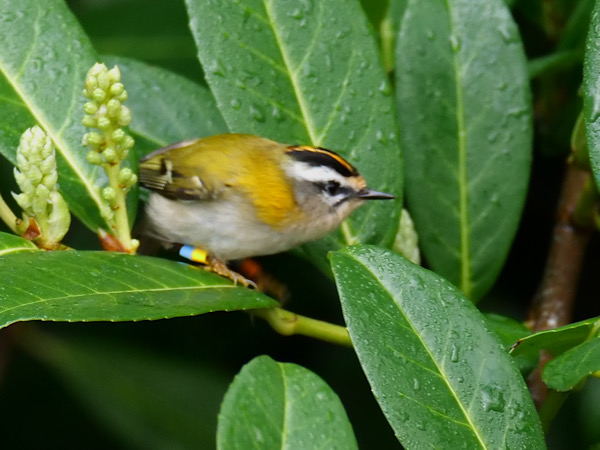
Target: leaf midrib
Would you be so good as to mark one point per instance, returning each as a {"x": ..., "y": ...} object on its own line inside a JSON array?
[
  {"x": 115, "y": 292},
  {"x": 302, "y": 103},
  {"x": 43, "y": 122},
  {"x": 465, "y": 412},
  {"x": 466, "y": 284}
]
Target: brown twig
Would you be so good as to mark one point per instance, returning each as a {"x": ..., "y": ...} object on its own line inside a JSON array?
[{"x": 553, "y": 302}]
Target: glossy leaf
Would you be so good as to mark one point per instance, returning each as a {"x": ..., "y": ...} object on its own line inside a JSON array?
[
  {"x": 166, "y": 108},
  {"x": 557, "y": 340},
  {"x": 307, "y": 73},
  {"x": 510, "y": 331},
  {"x": 281, "y": 405},
  {"x": 441, "y": 377},
  {"x": 91, "y": 286},
  {"x": 591, "y": 92},
  {"x": 44, "y": 58},
  {"x": 9, "y": 244},
  {"x": 567, "y": 370},
  {"x": 148, "y": 400},
  {"x": 466, "y": 127}
]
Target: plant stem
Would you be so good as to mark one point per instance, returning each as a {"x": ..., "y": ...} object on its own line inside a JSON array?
[
  {"x": 121, "y": 221},
  {"x": 7, "y": 216},
  {"x": 288, "y": 323},
  {"x": 553, "y": 303}
]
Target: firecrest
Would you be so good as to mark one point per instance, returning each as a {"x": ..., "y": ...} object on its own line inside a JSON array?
[{"x": 234, "y": 196}]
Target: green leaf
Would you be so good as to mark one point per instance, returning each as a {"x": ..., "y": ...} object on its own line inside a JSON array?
[
  {"x": 148, "y": 400},
  {"x": 465, "y": 115},
  {"x": 166, "y": 107},
  {"x": 557, "y": 340},
  {"x": 282, "y": 405},
  {"x": 591, "y": 92},
  {"x": 9, "y": 243},
  {"x": 91, "y": 286},
  {"x": 564, "y": 372},
  {"x": 307, "y": 73},
  {"x": 44, "y": 58},
  {"x": 510, "y": 331},
  {"x": 441, "y": 377}
]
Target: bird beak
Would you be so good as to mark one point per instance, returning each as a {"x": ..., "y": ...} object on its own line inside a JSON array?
[{"x": 369, "y": 194}]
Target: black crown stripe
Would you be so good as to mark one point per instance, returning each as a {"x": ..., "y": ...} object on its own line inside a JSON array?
[{"x": 316, "y": 156}]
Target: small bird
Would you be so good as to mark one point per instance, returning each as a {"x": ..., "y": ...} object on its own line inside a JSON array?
[{"x": 234, "y": 196}]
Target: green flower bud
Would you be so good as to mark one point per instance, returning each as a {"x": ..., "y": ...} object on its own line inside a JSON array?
[
  {"x": 93, "y": 138},
  {"x": 89, "y": 121},
  {"x": 118, "y": 135},
  {"x": 99, "y": 95},
  {"x": 90, "y": 108},
  {"x": 128, "y": 142},
  {"x": 110, "y": 155},
  {"x": 59, "y": 219},
  {"x": 107, "y": 213},
  {"x": 127, "y": 178},
  {"x": 103, "y": 80},
  {"x": 114, "y": 74},
  {"x": 117, "y": 89},
  {"x": 122, "y": 96},
  {"x": 125, "y": 116},
  {"x": 109, "y": 194},
  {"x": 407, "y": 240},
  {"x": 23, "y": 199},
  {"x": 50, "y": 180},
  {"x": 113, "y": 108},
  {"x": 103, "y": 123},
  {"x": 95, "y": 158},
  {"x": 37, "y": 178},
  {"x": 40, "y": 202}
]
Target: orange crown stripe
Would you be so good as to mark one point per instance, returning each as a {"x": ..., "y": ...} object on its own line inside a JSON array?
[{"x": 324, "y": 151}]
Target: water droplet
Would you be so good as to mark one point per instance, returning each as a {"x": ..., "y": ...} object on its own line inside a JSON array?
[
  {"x": 276, "y": 113},
  {"x": 297, "y": 14},
  {"x": 256, "y": 113},
  {"x": 492, "y": 398},
  {"x": 430, "y": 35},
  {"x": 505, "y": 34},
  {"x": 384, "y": 88},
  {"x": 420, "y": 425},
  {"x": 454, "y": 353},
  {"x": 380, "y": 136},
  {"x": 416, "y": 384},
  {"x": 455, "y": 43},
  {"x": 235, "y": 103}
]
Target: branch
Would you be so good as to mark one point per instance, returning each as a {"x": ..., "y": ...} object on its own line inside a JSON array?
[
  {"x": 553, "y": 302},
  {"x": 288, "y": 323}
]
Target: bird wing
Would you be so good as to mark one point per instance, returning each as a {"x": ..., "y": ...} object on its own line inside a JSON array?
[{"x": 168, "y": 172}]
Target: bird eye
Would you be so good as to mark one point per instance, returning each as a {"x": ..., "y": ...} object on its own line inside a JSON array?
[{"x": 332, "y": 187}]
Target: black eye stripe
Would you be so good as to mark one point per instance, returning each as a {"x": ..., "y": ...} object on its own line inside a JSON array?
[{"x": 334, "y": 188}]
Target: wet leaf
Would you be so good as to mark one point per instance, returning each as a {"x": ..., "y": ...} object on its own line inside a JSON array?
[
  {"x": 591, "y": 92},
  {"x": 166, "y": 108},
  {"x": 307, "y": 73},
  {"x": 466, "y": 127},
  {"x": 44, "y": 59},
  {"x": 567, "y": 370},
  {"x": 442, "y": 379},
  {"x": 282, "y": 405},
  {"x": 555, "y": 341},
  {"x": 9, "y": 243},
  {"x": 103, "y": 286}
]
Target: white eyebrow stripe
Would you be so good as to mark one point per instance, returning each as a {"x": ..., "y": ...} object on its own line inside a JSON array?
[{"x": 316, "y": 174}]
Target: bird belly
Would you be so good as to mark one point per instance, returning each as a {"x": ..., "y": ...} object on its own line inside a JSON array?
[{"x": 226, "y": 229}]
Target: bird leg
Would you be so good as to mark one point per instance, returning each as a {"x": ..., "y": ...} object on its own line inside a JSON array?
[{"x": 215, "y": 265}]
